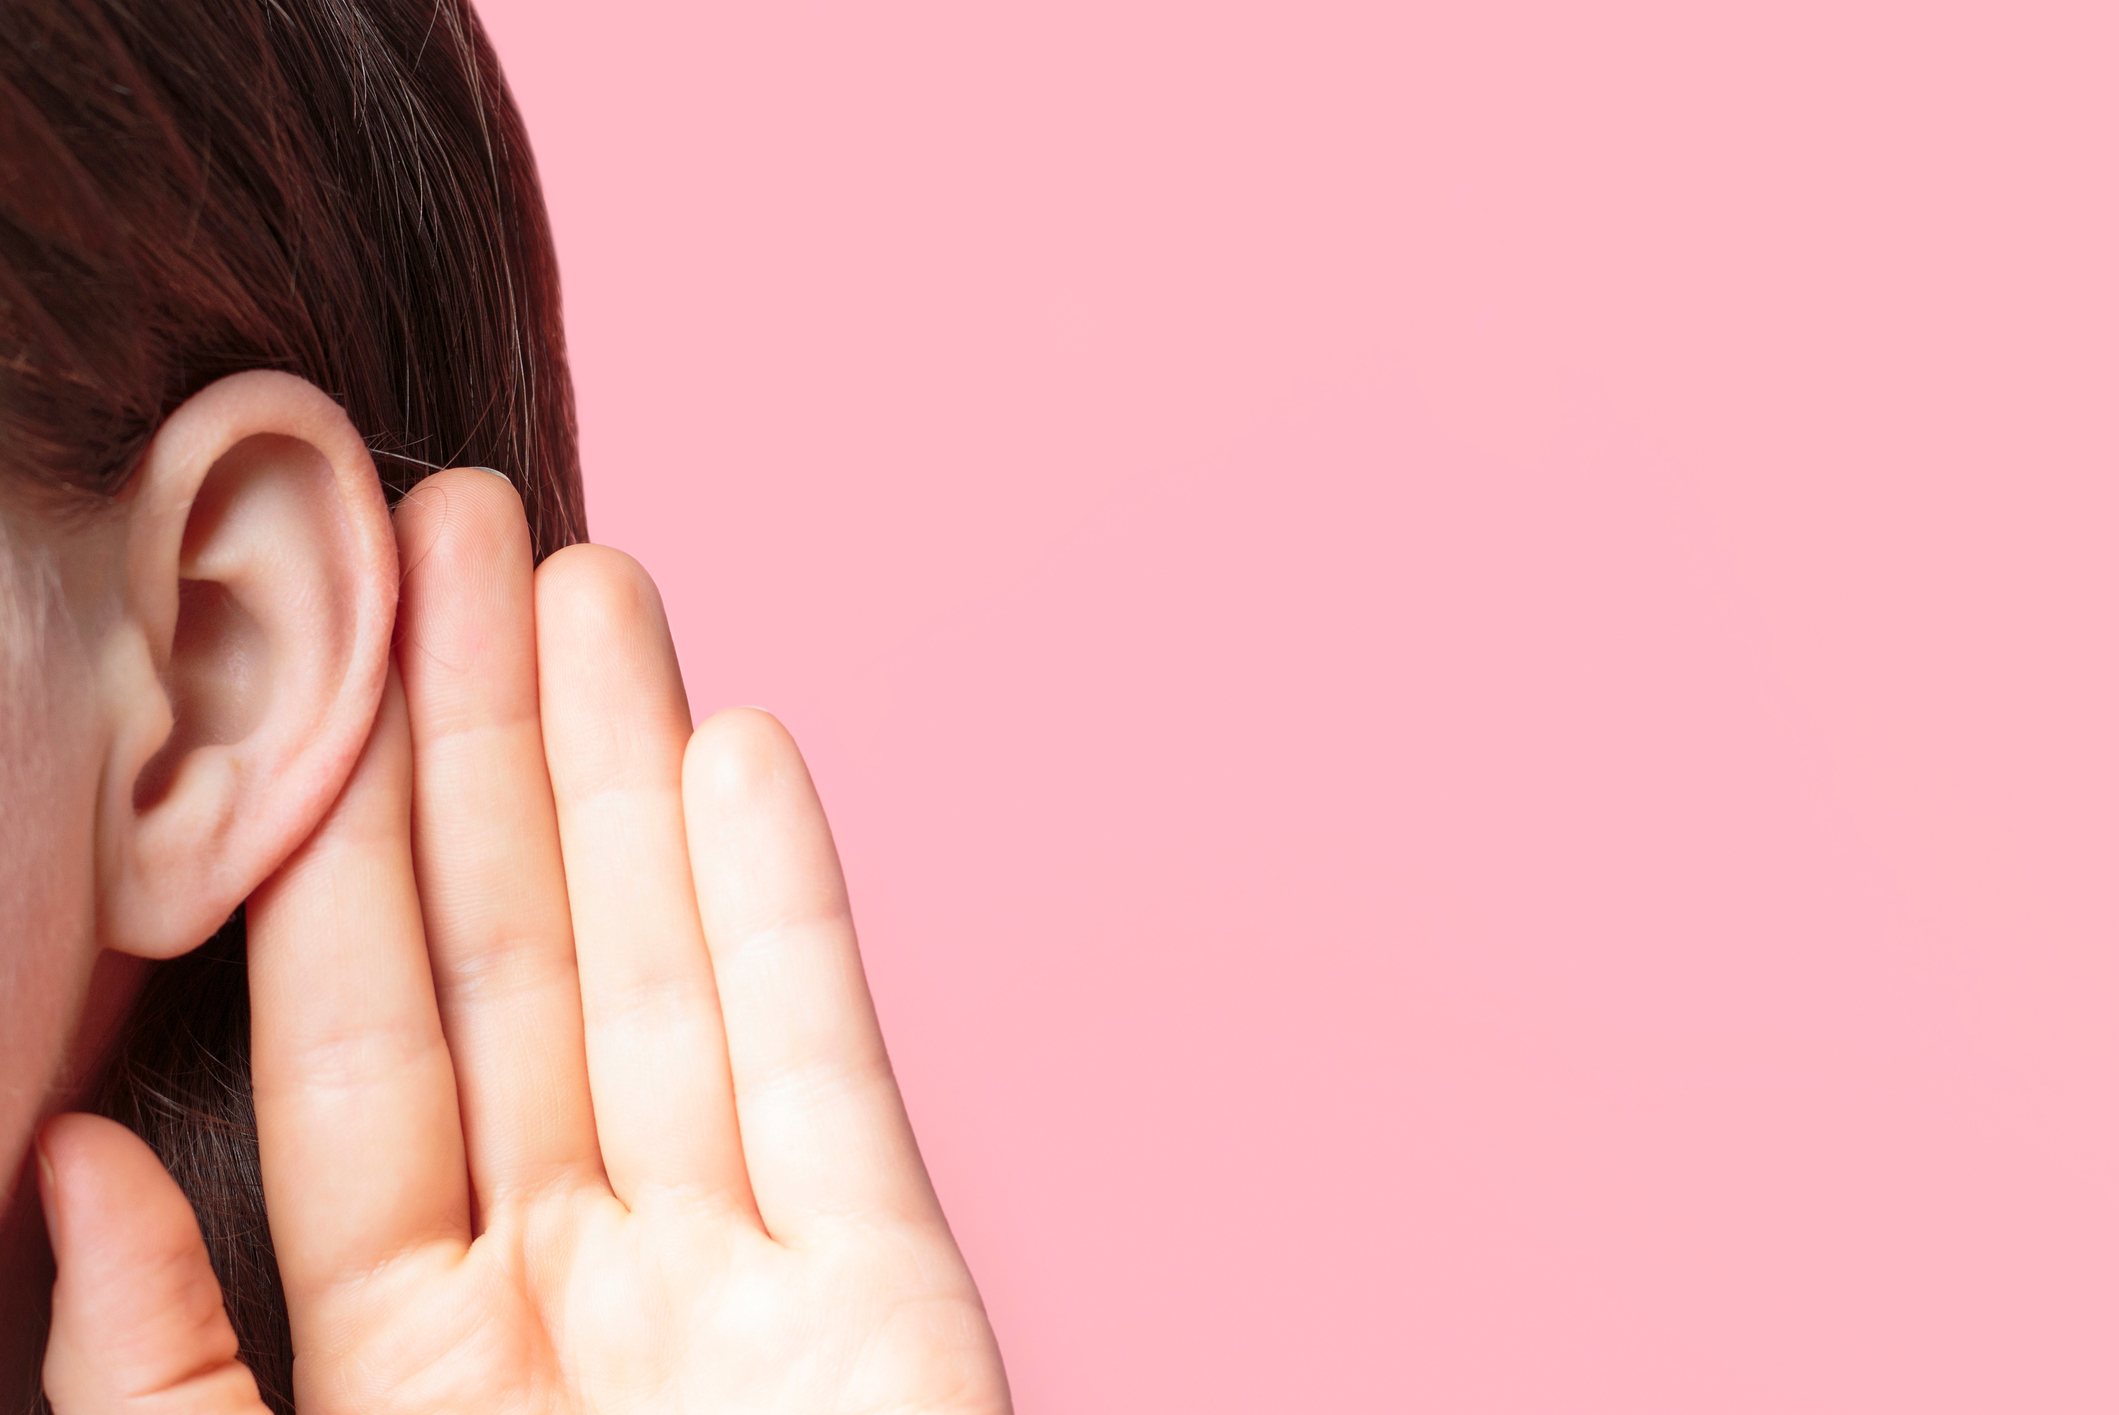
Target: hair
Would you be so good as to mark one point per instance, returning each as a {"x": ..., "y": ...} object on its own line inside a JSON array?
[{"x": 341, "y": 189}]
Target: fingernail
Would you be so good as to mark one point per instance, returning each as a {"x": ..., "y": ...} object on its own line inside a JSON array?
[
  {"x": 496, "y": 472},
  {"x": 47, "y": 1190}
]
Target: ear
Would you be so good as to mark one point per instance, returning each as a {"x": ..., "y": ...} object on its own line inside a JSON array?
[{"x": 259, "y": 584}]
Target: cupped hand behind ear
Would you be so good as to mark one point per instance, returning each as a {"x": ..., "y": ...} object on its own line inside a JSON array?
[{"x": 570, "y": 1093}]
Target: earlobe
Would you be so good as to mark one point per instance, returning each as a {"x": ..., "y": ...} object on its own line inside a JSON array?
[{"x": 259, "y": 588}]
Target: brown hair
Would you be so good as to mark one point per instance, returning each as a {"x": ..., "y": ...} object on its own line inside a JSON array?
[{"x": 338, "y": 188}]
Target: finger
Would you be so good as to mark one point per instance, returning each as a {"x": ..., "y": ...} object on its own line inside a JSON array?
[
  {"x": 615, "y": 729},
  {"x": 485, "y": 844},
  {"x": 137, "y": 1322},
  {"x": 824, "y": 1130},
  {"x": 358, "y": 1132}
]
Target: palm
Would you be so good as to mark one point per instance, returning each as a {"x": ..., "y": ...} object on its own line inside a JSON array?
[
  {"x": 570, "y": 1094},
  {"x": 611, "y": 1318}
]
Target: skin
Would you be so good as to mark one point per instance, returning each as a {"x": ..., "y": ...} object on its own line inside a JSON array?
[
  {"x": 570, "y": 1092},
  {"x": 243, "y": 709},
  {"x": 47, "y": 905}
]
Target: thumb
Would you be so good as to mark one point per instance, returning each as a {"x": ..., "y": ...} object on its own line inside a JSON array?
[{"x": 137, "y": 1324}]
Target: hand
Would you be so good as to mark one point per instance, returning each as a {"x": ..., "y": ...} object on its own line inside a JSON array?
[{"x": 570, "y": 1094}]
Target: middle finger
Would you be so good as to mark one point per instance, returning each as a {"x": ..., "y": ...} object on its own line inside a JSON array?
[{"x": 485, "y": 839}]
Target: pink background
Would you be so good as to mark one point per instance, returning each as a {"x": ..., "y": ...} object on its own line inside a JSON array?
[{"x": 1463, "y": 655}]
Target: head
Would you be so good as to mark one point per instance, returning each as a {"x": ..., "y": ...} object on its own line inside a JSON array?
[{"x": 263, "y": 264}]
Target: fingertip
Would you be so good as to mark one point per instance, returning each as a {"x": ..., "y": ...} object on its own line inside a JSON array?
[
  {"x": 495, "y": 486},
  {"x": 66, "y": 1148},
  {"x": 93, "y": 1165},
  {"x": 136, "y": 1311},
  {"x": 586, "y": 556},
  {"x": 466, "y": 645},
  {"x": 593, "y": 592},
  {"x": 69, "y": 1141},
  {"x": 747, "y": 730},
  {"x": 611, "y": 691},
  {"x": 464, "y": 514},
  {"x": 47, "y": 1180},
  {"x": 739, "y": 754}
]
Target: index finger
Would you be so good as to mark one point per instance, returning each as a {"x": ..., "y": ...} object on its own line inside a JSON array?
[{"x": 358, "y": 1134}]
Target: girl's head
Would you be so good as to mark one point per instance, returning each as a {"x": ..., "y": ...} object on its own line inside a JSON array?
[{"x": 195, "y": 566}]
